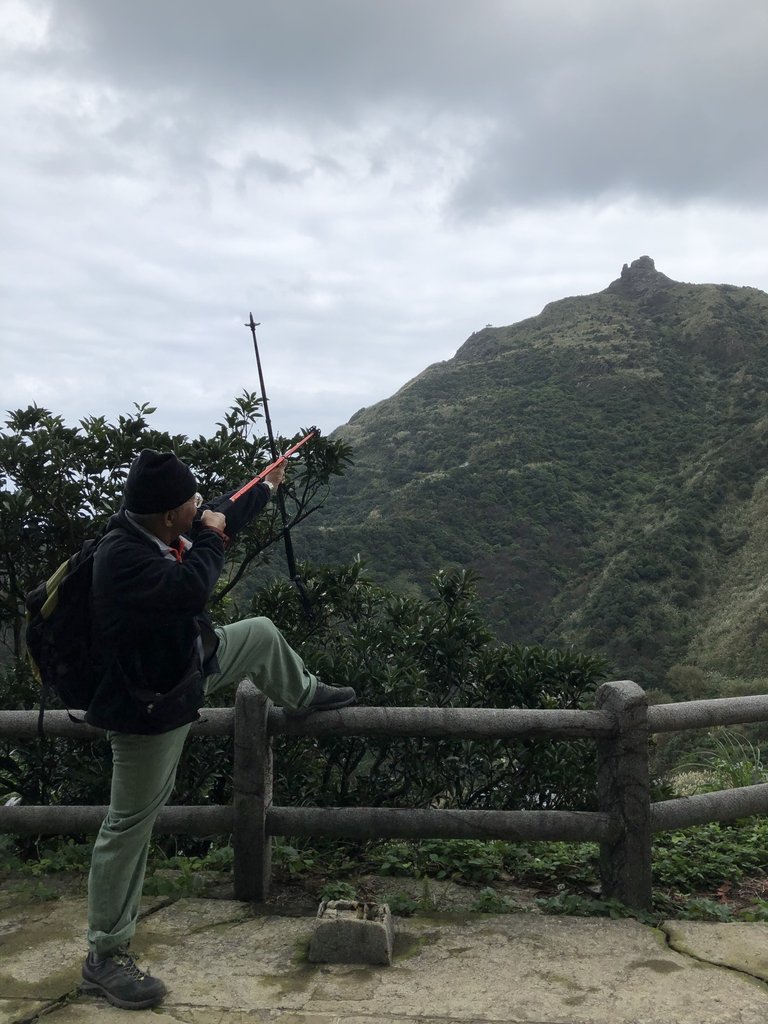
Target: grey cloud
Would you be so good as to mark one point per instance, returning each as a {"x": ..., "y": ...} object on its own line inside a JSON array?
[
  {"x": 301, "y": 55},
  {"x": 273, "y": 171},
  {"x": 582, "y": 99},
  {"x": 673, "y": 118}
]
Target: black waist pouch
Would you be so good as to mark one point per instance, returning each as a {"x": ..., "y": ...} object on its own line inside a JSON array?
[{"x": 161, "y": 712}]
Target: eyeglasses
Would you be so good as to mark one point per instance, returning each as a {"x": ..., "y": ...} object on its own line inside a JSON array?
[{"x": 198, "y": 500}]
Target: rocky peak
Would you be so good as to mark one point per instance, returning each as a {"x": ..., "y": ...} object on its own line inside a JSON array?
[{"x": 640, "y": 279}]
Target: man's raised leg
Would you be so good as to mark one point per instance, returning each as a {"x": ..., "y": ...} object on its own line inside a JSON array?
[{"x": 257, "y": 649}]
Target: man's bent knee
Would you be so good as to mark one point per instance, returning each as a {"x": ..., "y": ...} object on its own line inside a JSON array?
[{"x": 262, "y": 628}]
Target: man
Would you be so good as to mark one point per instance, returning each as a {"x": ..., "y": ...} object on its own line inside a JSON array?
[{"x": 157, "y": 656}]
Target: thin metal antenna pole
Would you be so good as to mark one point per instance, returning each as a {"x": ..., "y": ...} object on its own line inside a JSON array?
[{"x": 289, "y": 555}]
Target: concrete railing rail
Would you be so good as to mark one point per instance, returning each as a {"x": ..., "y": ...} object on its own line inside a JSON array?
[{"x": 620, "y": 726}]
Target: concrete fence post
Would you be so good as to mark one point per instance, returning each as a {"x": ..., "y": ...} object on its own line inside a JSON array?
[
  {"x": 623, "y": 792},
  {"x": 252, "y": 794}
]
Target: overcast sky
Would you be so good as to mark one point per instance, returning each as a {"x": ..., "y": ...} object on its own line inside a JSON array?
[{"x": 375, "y": 179}]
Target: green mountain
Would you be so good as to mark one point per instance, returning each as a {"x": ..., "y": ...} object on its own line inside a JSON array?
[{"x": 601, "y": 466}]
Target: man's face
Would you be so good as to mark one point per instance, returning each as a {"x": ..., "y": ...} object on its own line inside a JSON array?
[{"x": 184, "y": 515}]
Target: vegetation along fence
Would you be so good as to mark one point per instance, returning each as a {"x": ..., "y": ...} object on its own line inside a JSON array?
[{"x": 623, "y": 826}]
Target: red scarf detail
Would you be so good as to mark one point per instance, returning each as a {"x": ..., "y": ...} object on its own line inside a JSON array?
[{"x": 178, "y": 552}]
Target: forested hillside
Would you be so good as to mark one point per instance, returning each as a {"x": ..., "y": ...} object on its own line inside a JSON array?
[{"x": 601, "y": 466}]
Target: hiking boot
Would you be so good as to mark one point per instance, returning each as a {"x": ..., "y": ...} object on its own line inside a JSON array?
[
  {"x": 325, "y": 698},
  {"x": 119, "y": 978}
]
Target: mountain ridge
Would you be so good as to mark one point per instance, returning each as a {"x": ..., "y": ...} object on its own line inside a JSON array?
[{"x": 593, "y": 464}]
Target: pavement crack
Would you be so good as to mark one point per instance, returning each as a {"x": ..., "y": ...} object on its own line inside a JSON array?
[
  {"x": 670, "y": 942},
  {"x": 50, "y": 1008}
]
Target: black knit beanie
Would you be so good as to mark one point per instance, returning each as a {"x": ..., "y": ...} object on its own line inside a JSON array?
[{"x": 157, "y": 482}]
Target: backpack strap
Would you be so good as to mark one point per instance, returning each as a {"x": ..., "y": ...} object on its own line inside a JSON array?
[{"x": 44, "y": 691}]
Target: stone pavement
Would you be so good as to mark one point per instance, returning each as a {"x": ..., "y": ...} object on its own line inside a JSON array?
[{"x": 226, "y": 963}]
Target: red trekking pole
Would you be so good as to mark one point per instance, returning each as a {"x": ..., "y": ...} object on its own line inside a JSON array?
[{"x": 314, "y": 432}]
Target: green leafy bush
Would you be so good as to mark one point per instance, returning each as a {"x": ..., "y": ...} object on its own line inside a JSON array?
[
  {"x": 491, "y": 902},
  {"x": 728, "y": 761},
  {"x": 704, "y": 857},
  {"x": 338, "y": 891},
  {"x": 401, "y": 903},
  {"x": 576, "y": 905},
  {"x": 435, "y": 652}
]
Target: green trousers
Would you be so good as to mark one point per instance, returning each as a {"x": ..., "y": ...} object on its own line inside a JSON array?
[{"x": 144, "y": 771}]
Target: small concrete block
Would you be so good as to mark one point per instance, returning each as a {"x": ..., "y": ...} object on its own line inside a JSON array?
[{"x": 351, "y": 932}]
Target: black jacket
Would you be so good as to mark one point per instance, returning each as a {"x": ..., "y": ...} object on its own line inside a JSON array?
[{"x": 150, "y": 624}]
